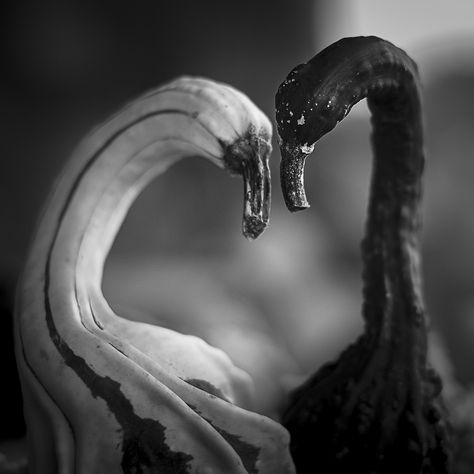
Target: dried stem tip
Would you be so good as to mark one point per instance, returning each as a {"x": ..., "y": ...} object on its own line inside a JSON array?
[
  {"x": 292, "y": 178},
  {"x": 248, "y": 157}
]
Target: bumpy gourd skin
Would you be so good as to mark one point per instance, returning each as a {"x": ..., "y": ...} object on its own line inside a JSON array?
[
  {"x": 106, "y": 394},
  {"x": 377, "y": 409}
]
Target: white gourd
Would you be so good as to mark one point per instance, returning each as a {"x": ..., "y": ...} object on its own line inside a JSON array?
[{"x": 103, "y": 394}]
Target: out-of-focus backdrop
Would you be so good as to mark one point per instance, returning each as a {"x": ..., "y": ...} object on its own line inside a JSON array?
[{"x": 285, "y": 304}]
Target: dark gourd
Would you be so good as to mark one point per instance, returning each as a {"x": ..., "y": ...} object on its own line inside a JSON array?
[{"x": 377, "y": 409}]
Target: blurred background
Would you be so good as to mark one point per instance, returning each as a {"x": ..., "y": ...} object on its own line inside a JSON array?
[{"x": 285, "y": 304}]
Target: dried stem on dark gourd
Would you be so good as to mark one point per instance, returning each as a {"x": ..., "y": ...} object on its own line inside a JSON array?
[{"x": 377, "y": 409}]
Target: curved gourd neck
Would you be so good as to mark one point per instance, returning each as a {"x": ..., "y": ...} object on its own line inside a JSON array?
[
  {"x": 96, "y": 191},
  {"x": 315, "y": 97}
]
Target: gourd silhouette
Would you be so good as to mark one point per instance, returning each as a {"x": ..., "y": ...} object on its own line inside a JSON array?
[
  {"x": 105, "y": 394},
  {"x": 377, "y": 409}
]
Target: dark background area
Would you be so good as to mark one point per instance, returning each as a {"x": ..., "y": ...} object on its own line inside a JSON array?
[{"x": 290, "y": 299}]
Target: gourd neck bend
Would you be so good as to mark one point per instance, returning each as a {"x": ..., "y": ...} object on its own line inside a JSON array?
[
  {"x": 310, "y": 102},
  {"x": 102, "y": 190},
  {"x": 113, "y": 165},
  {"x": 110, "y": 181}
]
